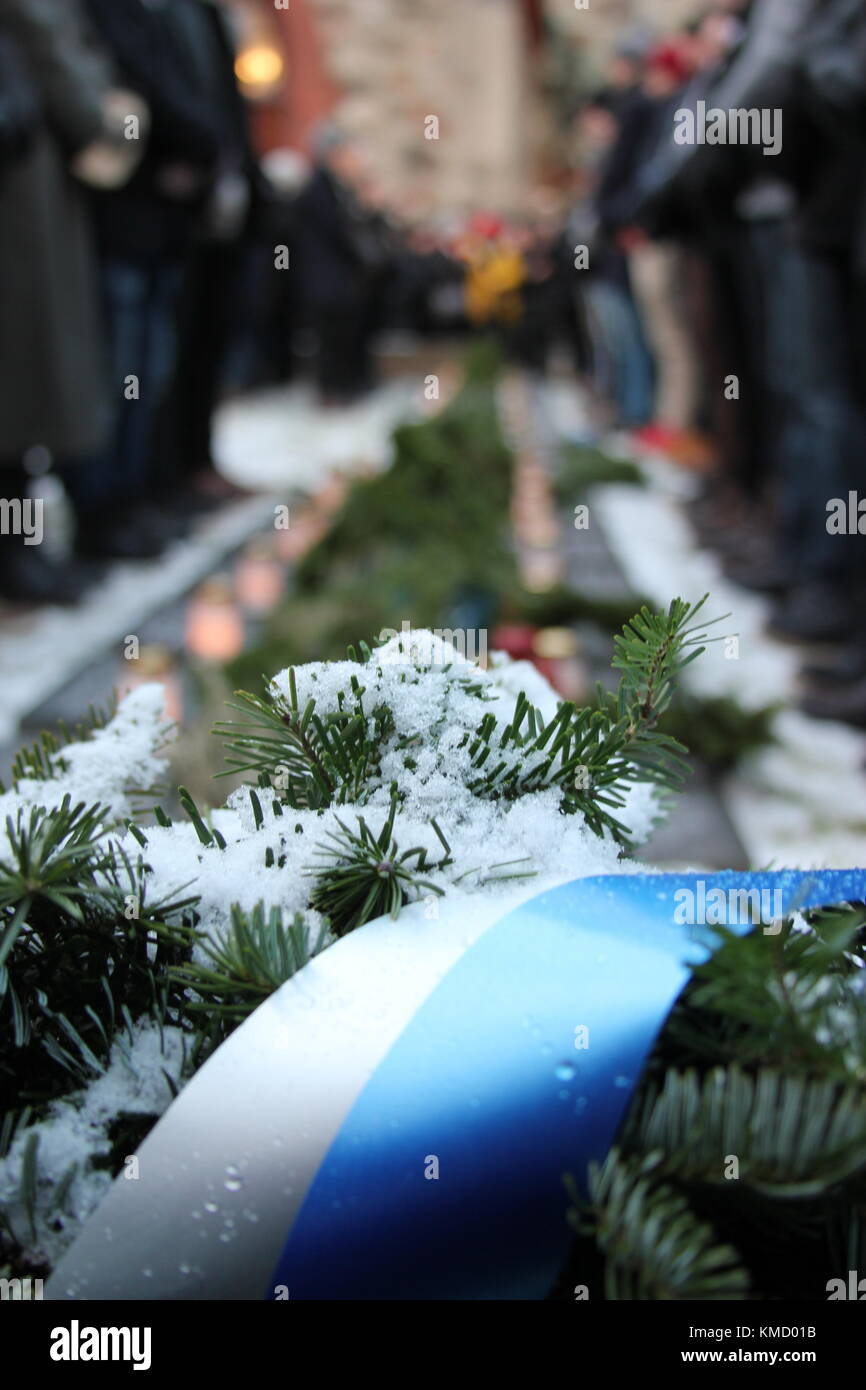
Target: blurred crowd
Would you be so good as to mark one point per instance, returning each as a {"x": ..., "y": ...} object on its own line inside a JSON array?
[
  {"x": 144, "y": 240},
  {"x": 727, "y": 294},
  {"x": 700, "y": 255},
  {"x": 126, "y": 183},
  {"x": 145, "y": 237}
]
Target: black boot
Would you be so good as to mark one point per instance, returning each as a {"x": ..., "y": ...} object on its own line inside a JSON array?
[
  {"x": 849, "y": 667},
  {"x": 847, "y": 705},
  {"x": 29, "y": 573},
  {"x": 815, "y": 611}
]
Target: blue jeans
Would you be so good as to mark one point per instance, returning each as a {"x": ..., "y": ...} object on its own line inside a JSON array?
[
  {"x": 140, "y": 315},
  {"x": 623, "y": 367}
]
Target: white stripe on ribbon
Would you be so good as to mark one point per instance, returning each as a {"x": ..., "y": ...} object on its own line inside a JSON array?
[{"x": 281, "y": 1085}]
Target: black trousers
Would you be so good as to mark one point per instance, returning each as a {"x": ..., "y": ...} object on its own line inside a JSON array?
[
  {"x": 344, "y": 362},
  {"x": 208, "y": 319}
]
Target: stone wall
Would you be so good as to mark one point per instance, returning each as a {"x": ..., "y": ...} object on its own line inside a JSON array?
[{"x": 468, "y": 63}]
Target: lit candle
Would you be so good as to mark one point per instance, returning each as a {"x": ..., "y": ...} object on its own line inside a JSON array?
[
  {"x": 214, "y": 623},
  {"x": 557, "y": 655},
  {"x": 537, "y": 529},
  {"x": 540, "y": 569},
  {"x": 259, "y": 577},
  {"x": 155, "y": 665}
]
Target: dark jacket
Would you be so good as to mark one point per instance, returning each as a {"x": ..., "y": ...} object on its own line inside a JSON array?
[
  {"x": 342, "y": 251},
  {"x": 788, "y": 61},
  {"x": 696, "y": 185},
  {"x": 20, "y": 106},
  {"x": 829, "y": 170},
  {"x": 645, "y": 125},
  {"x": 52, "y": 382},
  {"x": 149, "y": 45}
]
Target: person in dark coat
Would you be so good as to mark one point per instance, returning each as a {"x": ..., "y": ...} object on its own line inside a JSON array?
[
  {"x": 144, "y": 233},
  {"x": 52, "y": 381},
  {"x": 217, "y": 269},
  {"x": 343, "y": 258}
]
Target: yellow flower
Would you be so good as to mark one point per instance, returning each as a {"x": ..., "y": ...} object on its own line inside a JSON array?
[{"x": 493, "y": 281}]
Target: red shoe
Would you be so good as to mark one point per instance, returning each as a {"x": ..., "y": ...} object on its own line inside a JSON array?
[
  {"x": 686, "y": 447},
  {"x": 654, "y": 436}
]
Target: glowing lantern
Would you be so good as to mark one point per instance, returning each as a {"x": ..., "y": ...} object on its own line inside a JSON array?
[
  {"x": 155, "y": 665},
  {"x": 540, "y": 569},
  {"x": 259, "y": 577},
  {"x": 556, "y": 654},
  {"x": 214, "y": 624},
  {"x": 258, "y": 69}
]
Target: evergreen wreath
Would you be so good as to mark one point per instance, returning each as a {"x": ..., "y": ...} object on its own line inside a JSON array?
[
  {"x": 131, "y": 945},
  {"x": 117, "y": 981}
]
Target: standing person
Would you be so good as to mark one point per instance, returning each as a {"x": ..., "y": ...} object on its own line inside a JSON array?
[
  {"x": 218, "y": 260},
  {"x": 617, "y": 358},
  {"x": 736, "y": 206},
  {"x": 52, "y": 388},
  {"x": 625, "y": 69},
  {"x": 655, "y": 266},
  {"x": 144, "y": 232},
  {"x": 816, "y": 337},
  {"x": 343, "y": 259}
]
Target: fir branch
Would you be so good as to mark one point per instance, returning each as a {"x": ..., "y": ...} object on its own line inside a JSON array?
[
  {"x": 43, "y": 759},
  {"x": 53, "y": 858},
  {"x": 82, "y": 944},
  {"x": 654, "y": 1247},
  {"x": 791, "y": 997},
  {"x": 594, "y": 754},
  {"x": 791, "y": 1137},
  {"x": 310, "y": 760},
  {"x": 256, "y": 955},
  {"x": 208, "y": 834},
  {"x": 366, "y": 875}
]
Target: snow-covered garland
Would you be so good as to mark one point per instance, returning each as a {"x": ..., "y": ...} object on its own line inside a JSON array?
[{"x": 403, "y": 775}]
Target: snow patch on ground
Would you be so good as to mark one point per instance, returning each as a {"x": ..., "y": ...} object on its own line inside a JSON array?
[
  {"x": 44, "y": 651},
  {"x": 281, "y": 438}
]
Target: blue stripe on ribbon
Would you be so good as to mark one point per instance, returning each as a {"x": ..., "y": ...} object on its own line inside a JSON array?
[{"x": 487, "y": 1078}]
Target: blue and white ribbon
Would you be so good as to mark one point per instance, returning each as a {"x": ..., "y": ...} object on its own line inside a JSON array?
[{"x": 396, "y": 1121}]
